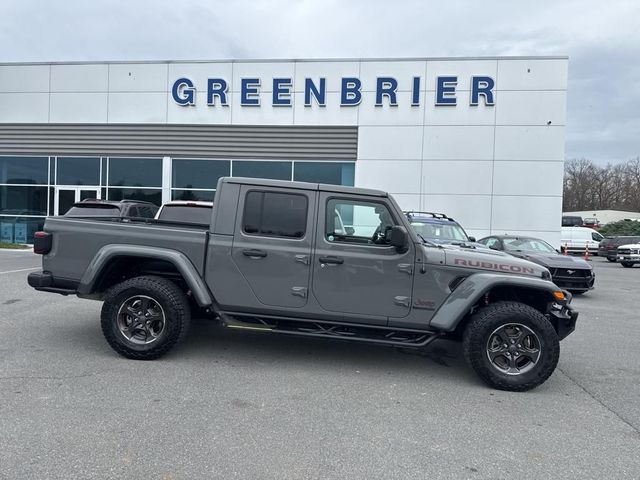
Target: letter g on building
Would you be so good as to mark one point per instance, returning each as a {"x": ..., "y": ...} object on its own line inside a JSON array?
[{"x": 183, "y": 92}]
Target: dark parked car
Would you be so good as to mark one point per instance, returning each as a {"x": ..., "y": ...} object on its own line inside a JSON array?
[
  {"x": 92, "y": 207},
  {"x": 609, "y": 246},
  {"x": 571, "y": 273},
  {"x": 571, "y": 221}
]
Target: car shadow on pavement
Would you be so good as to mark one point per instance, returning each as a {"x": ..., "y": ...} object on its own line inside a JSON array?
[
  {"x": 209, "y": 342},
  {"x": 443, "y": 358}
]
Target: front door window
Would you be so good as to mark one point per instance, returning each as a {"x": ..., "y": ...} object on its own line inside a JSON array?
[{"x": 364, "y": 223}]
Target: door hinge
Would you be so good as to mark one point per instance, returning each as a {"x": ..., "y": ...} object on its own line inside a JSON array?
[
  {"x": 299, "y": 292},
  {"x": 405, "y": 268},
  {"x": 304, "y": 259},
  {"x": 402, "y": 301}
]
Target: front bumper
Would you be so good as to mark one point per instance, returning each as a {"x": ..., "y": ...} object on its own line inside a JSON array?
[
  {"x": 628, "y": 257},
  {"x": 564, "y": 320},
  {"x": 576, "y": 283}
]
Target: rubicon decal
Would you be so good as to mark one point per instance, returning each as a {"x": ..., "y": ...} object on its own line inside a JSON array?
[
  {"x": 281, "y": 90},
  {"x": 500, "y": 267}
]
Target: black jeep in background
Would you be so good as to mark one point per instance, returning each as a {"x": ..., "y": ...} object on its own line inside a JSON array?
[{"x": 92, "y": 207}]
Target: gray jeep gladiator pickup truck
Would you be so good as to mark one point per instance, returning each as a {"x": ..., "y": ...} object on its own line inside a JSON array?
[{"x": 310, "y": 260}]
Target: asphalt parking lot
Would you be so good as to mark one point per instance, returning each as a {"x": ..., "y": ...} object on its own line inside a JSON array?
[{"x": 228, "y": 404}]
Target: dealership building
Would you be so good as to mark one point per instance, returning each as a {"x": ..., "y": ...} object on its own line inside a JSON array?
[{"x": 480, "y": 139}]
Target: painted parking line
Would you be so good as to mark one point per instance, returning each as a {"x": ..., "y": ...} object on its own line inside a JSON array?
[{"x": 20, "y": 270}]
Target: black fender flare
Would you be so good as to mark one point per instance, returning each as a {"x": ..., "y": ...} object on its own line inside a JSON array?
[
  {"x": 182, "y": 263},
  {"x": 473, "y": 288}
]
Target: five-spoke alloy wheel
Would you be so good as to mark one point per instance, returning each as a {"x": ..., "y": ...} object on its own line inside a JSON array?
[
  {"x": 513, "y": 349},
  {"x": 141, "y": 319},
  {"x": 511, "y": 346},
  {"x": 144, "y": 317}
]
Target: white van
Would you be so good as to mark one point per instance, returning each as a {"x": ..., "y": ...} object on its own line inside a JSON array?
[{"x": 576, "y": 239}]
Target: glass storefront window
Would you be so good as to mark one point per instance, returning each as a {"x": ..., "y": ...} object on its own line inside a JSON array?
[
  {"x": 135, "y": 172},
  {"x": 23, "y": 200},
  {"x": 189, "y": 173},
  {"x": 27, "y": 170},
  {"x": 334, "y": 173},
  {"x": 262, "y": 169},
  {"x": 19, "y": 229},
  {"x": 146, "y": 195},
  {"x": 200, "y": 195},
  {"x": 78, "y": 171}
]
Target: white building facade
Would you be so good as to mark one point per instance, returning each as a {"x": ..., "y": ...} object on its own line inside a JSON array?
[{"x": 480, "y": 139}]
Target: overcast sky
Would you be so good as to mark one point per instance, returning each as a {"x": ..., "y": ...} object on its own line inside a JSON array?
[{"x": 602, "y": 40}]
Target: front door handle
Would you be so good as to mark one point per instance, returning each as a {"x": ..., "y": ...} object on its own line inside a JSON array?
[
  {"x": 331, "y": 260},
  {"x": 254, "y": 253}
]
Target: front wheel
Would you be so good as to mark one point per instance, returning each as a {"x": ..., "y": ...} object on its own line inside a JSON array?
[
  {"x": 511, "y": 346},
  {"x": 627, "y": 264},
  {"x": 144, "y": 317}
]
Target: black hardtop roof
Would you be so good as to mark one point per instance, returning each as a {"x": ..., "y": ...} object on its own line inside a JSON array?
[{"x": 261, "y": 182}]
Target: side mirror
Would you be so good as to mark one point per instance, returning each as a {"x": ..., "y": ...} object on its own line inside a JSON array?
[
  {"x": 472, "y": 239},
  {"x": 350, "y": 230},
  {"x": 398, "y": 237}
]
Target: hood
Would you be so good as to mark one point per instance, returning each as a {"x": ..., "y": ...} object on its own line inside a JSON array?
[
  {"x": 458, "y": 243},
  {"x": 493, "y": 261},
  {"x": 551, "y": 260},
  {"x": 630, "y": 245}
]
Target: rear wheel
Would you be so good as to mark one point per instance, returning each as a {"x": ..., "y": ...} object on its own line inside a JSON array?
[
  {"x": 627, "y": 264},
  {"x": 511, "y": 346},
  {"x": 611, "y": 259},
  {"x": 144, "y": 317}
]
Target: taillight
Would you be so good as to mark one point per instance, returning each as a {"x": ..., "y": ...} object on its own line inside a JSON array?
[{"x": 41, "y": 243}]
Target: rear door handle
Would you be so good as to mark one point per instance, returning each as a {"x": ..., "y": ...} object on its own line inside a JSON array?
[
  {"x": 253, "y": 253},
  {"x": 331, "y": 260}
]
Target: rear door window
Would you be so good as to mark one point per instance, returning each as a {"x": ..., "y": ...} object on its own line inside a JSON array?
[{"x": 275, "y": 214}]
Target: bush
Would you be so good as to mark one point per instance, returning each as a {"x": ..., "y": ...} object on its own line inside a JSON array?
[
  {"x": 12, "y": 246},
  {"x": 623, "y": 227}
]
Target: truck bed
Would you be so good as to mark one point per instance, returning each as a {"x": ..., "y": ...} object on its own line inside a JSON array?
[{"x": 77, "y": 240}]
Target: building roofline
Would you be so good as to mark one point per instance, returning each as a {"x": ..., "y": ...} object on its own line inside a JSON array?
[{"x": 288, "y": 60}]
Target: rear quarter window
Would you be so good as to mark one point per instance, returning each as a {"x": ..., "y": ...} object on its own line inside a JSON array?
[{"x": 186, "y": 214}]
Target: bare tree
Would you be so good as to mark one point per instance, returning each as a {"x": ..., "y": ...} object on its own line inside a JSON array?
[{"x": 591, "y": 187}]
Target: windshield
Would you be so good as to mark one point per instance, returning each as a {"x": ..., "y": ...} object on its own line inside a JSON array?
[
  {"x": 93, "y": 211},
  {"x": 442, "y": 233},
  {"x": 527, "y": 245},
  {"x": 186, "y": 214}
]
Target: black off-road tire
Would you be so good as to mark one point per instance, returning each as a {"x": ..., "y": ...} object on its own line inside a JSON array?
[
  {"x": 486, "y": 321},
  {"x": 175, "y": 308},
  {"x": 626, "y": 264}
]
